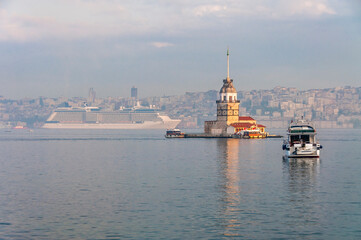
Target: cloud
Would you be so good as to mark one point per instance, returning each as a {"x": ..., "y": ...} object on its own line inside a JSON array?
[
  {"x": 311, "y": 8},
  {"x": 268, "y": 9},
  {"x": 24, "y": 20},
  {"x": 62, "y": 19},
  {"x": 161, "y": 44},
  {"x": 209, "y": 9}
]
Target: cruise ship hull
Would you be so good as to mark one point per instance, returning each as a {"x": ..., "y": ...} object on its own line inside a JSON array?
[{"x": 144, "y": 125}]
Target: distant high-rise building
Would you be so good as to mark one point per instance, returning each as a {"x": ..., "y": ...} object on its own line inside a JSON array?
[
  {"x": 91, "y": 95},
  {"x": 134, "y": 92}
]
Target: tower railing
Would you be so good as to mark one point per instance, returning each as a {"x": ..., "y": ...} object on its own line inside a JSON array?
[{"x": 228, "y": 101}]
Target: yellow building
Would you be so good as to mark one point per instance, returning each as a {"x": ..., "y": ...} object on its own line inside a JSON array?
[{"x": 248, "y": 123}]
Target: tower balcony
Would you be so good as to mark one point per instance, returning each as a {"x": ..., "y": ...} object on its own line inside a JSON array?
[{"x": 228, "y": 101}]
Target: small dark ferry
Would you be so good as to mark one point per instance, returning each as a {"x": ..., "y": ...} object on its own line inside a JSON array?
[{"x": 174, "y": 133}]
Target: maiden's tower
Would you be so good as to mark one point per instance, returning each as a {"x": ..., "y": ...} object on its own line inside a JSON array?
[
  {"x": 228, "y": 120},
  {"x": 227, "y": 109}
]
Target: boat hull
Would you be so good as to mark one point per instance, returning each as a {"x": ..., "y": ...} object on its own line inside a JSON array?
[
  {"x": 302, "y": 156},
  {"x": 306, "y": 154},
  {"x": 174, "y": 136}
]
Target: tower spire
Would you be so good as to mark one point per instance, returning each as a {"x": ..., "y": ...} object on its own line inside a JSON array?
[{"x": 228, "y": 79}]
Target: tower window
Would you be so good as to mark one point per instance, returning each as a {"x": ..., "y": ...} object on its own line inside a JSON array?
[
  {"x": 224, "y": 98},
  {"x": 230, "y": 98}
]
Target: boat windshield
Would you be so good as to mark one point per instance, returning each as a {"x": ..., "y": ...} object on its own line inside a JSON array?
[
  {"x": 300, "y": 138},
  {"x": 301, "y": 129}
]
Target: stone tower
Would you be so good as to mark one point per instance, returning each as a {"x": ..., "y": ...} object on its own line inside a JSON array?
[{"x": 228, "y": 105}]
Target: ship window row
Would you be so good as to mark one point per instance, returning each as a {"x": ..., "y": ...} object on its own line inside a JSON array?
[{"x": 103, "y": 117}]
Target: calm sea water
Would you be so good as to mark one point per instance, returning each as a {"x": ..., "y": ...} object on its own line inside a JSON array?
[{"x": 103, "y": 184}]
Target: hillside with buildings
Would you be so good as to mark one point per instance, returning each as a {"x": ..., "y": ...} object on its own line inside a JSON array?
[{"x": 332, "y": 107}]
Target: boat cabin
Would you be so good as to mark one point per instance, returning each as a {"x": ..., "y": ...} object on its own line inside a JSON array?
[
  {"x": 301, "y": 135},
  {"x": 174, "y": 132}
]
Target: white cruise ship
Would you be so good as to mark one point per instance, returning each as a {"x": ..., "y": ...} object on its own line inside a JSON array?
[{"x": 95, "y": 118}]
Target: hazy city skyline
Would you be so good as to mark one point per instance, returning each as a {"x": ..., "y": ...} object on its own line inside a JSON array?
[{"x": 62, "y": 48}]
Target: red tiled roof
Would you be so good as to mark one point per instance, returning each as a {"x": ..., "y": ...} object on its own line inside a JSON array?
[
  {"x": 242, "y": 125},
  {"x": 247, "y": 125},
  {"x": 246, "y": 118}
]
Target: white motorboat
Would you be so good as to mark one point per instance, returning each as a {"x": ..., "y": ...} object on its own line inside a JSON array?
[{"x": 301, "y": 141}]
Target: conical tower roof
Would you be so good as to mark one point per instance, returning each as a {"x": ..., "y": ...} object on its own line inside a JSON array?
[
  {"x": 228, "y": 83},
  {"x": 228, "y": 87}
]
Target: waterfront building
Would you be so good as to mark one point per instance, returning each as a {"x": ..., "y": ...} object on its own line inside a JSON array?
[{"x": 248, "y": 123}]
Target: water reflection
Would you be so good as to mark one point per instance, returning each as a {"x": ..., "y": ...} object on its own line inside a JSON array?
[
  {"x": 230, "y": 186},
  {"x": 300, "y": 179},
  {"x": 230, "y": 167},
  {"x": 301, "y": 174},
  {"x": 251, "y": 200}
]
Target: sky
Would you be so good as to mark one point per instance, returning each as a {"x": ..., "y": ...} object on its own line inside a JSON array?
[{"x": 61, "y": 48}]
